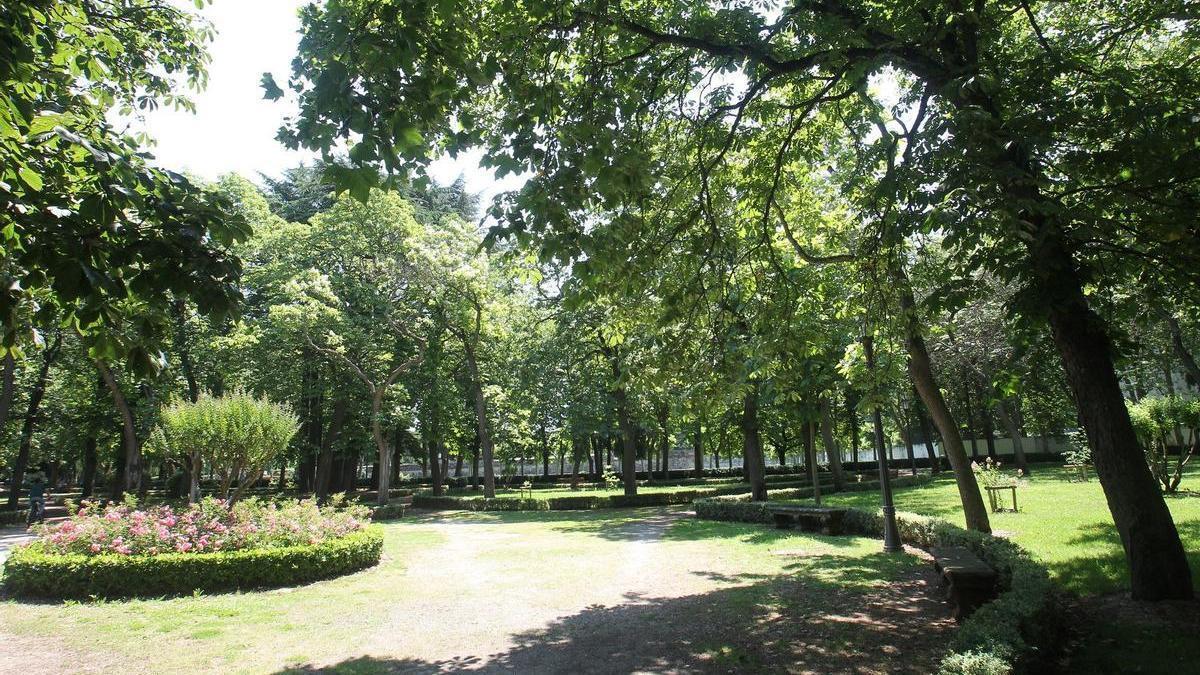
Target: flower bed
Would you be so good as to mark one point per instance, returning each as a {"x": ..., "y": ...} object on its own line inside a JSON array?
[
  {"x": 1019, "y": 631},
  {"x": 125, "y": 551}
]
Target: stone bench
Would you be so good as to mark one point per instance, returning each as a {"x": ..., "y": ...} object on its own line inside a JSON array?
[
  {"x": 969, "y": 581},
  {"x": 823, "y": 519}
]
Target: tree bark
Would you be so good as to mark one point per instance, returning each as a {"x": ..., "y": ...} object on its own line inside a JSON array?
[
  {"x": 831, "y": 446},
  {"x": 325, "y": 455},
  {"x": 1014, "y": 432},
  {"x": 1181, "y": 351},
  {"x": 920, "y": 370},
  {"x": 698, "y": 452},
  {"x": 8, "y": 379},
  {"x": 1157, "y": 563},
  {"x": 435, "y": 467},
  {"x": 810, "y": 458},
  {"x": 628, "y": 433},
  {"x": 481, "y": 422},
  {"x": 132, "y": 468},
  {"x": 752, "y": 445},
  {"x": 36, "y": 394},
  {"x": 935, "y": 464}
]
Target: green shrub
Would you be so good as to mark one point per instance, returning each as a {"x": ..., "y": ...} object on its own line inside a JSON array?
[
  {"x": 974, "y": 663},
  {"x": 31, "y": 571},
  {"x": 237, "y": 434}
]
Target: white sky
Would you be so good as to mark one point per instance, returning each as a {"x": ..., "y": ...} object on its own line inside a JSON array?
[{"x": 234, "y": 128}]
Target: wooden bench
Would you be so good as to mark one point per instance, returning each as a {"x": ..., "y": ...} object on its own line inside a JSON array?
[
  {"x": 823, "y": 519},
  {"x": 526, "y": 490},
  {"x": 969, "y": 581}
]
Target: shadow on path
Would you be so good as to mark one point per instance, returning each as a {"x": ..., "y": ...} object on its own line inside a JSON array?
[{"x": 774, "y": 624}]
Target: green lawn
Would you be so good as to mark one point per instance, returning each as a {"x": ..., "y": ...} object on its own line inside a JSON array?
[{"x": 1066, "y": 525}]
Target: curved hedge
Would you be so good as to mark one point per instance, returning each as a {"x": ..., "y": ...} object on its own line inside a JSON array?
[
  {"x": 30, "y": 571},
  {"x": 1020, "y": 631}
]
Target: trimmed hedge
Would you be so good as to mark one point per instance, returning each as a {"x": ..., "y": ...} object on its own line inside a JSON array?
[
  {"x": 738, "y": 492},
  {"x": 739, "y": 508},
  {"x": 1019, "y": 631},
  {"x": 13, "y": 517},
  {"x": 30, "y": 571}
]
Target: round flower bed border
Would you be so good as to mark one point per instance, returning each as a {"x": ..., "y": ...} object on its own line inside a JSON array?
[{"x": 30, "y": 571}]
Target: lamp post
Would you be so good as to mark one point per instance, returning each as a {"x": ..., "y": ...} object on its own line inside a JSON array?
[{"x": 891, "y": 535}]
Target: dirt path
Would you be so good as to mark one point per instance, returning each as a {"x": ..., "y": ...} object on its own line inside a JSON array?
[
  {"x": 10, "y": 537},
  {"x": 638, "y": 603},
  {"x": 584, "y": 592}
]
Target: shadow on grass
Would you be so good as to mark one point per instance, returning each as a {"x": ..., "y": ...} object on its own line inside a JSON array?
[
  {"x": 785, "y": 623},
  {"x": 1108, "y": 571}
]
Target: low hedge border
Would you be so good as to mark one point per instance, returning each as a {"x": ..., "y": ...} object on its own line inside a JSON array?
[
  {"x": 389, "y": 512},
  {"x": 738, "y": 492},
  {"x": 1021, "y": 630},
  {"x": 30, "y": 571},
  {"x": 739, "y": 508},
  {"x": 13, "y": 517}
]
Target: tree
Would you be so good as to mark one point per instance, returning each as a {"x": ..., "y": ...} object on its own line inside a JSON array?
[
  {"x": 581, "y": 94},
  {"x": 237, "y": 434},
  {"x": 82, "y": 214}
]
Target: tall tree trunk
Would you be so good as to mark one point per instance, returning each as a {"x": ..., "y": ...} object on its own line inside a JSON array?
[
  {"x": 545, "y": 451},
  {"x": 384, "y": 457},
  {"x": 1157, "y": 563},
  {"x": 435, "y": 467},
  {"x": 475, "y": 463},
  {"x": 310, "y": 421},
  {"x": 1181, "y": 351},
  {"x": 920, "y": 370},
  {"x": 698, "y": 451},
  {"x": 852, "y": 406},
  {"x": 132, "y": 468},
  {"x": 935, "y": 464},
  {"x": 576, "y": 458},
  {"x": 752, "y": 445},
  {"x": 831, "y": 446},
  {"x": 972, "y": 428},
  {"x": 664, "y": 421},
  {"x": 628, "y": 432},
  {"x": 810, "y": 458},
  {"x": 36, "y": 395},
  {"x": 481, "y": 422},
  {"x": 1008, "y": 419},
  {"x": 325, "y": 455},
  {"x": 989, "y": 429},
  {"x": 88, "y": 479},
  {"x": 8, "y": 379}
]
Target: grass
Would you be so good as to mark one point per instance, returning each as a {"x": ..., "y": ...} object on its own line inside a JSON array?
[{"x": 1065, "y": 525}]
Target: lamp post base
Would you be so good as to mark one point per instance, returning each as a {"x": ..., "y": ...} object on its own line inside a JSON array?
[{"x": 891, "y": 534}]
